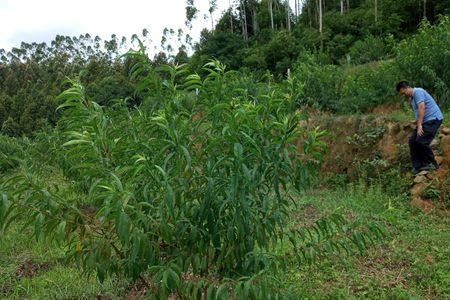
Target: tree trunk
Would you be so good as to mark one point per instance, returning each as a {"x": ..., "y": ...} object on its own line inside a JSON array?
[
  {"x": 342, "y": 7},
  {"x": 296, "y": 11},
  {"x": 255, "y": 21},
  {"x": 376, "y": 11},
  {"x": 317, "y": 13},
  {"x": 244, "y": 21},
  {"x": 321, "y": 24},
  {"x": 288, "y": 19},
  {"x": 320, "y": 17},
  {"x": 270, "y": 3},
  {"x": 309, "y": 15}
]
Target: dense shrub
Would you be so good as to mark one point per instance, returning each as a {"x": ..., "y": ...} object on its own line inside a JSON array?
[
  {"x": 370, "y": 49},
  {"x": 368, "y": 86},
  {"x": 193, "y": 189},
  {"x": 11, "y": 151},
  {"x": 424, "y": 59},
  {"x": 345, "y": 90},
  {"x": 322, "y": 82}
]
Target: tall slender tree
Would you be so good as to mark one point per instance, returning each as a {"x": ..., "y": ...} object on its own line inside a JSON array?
[
  {"x": 288, "y": 15},
  {"x": 376, "y": 11},
  {"x": 270, "y": 7},
  {"x": 231, "y": 15},
  {"x": 296, "y": 10},
  {"x": 320, "y": 6},
  {"x": 212, "y": 8},
  {"x": 244, "y": 20},
  {"x": 255, "y": 19},
  {"x": 191, "y": 12},
  {"x": 321, "y": 24}
]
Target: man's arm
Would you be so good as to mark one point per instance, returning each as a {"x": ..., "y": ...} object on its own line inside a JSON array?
[{"x": 421, "y": 112}]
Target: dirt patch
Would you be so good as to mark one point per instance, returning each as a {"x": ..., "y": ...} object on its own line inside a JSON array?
[
  {"x": 384, "y": 269},
  {"x": 353, "y": 139},
  {"x": 386, "y": 109},
  {"x": 5, "y": 289},
  {"x": 138, "y": 289},
  {"x": 89, "y": 210},
  {"x": 305, "y": 215},
  {"x": 29, "y": 269}
]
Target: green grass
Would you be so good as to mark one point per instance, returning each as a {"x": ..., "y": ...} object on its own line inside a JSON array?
[
  {"x": 413, "y": 263},
  {"x": 37, "y": 270}
]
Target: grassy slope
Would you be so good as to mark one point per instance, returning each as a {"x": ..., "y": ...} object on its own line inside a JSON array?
[
  {"x": 30, "y": 269},
  {"x": 414, "y": 262}
]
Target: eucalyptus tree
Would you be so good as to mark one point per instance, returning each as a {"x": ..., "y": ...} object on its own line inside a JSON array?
[
  {"x": 320, "y": 14},
  {"x": 288, "y": 15},
  {"x": 270, "y": 9},
  {"x": 211, "y": 9},
  {"x": 191, "y": 12},
  {"x": 230, "y": 11},
  {"x": 243, "y": 13},
  {"x": 376, "y": 10}
]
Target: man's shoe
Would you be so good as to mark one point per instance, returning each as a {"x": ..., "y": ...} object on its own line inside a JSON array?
[{"x": 429, "y": 167}]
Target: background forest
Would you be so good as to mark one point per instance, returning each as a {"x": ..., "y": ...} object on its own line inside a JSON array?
[{"x": 346, "y": 54}]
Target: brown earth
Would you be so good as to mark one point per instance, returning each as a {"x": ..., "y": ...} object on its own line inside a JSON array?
[
  {"x": 352, "y": 140},
  {"x": 30, "y": 269}
]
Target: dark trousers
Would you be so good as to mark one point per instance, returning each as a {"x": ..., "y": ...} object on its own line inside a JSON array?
[{"x": 419, "y": 146}]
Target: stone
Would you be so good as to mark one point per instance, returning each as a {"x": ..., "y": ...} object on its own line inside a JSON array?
[
  {"x": 434, "y": 143},
  {"x": 431, "y": 175},
  {"x": 424, "y": 205},
  {"x": 441, "y": 173},
  {"x": 445, "y": 145},
  {"x": 387, "y": 147},
  {"x": 420, "y": 179},
  {"x": 445, "y": 130},
  {"x": 422, "y": 173},
  {"x": 418, "y": 188},
  {"x": 411, "y": 125}
]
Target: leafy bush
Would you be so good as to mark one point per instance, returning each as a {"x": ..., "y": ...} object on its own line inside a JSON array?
[
  {"x": 195, "y": 185},
  {"x": 368, "y": 86},
  {"x": 370, "y": 49},
  {"x": 321, "y": 82},
  {"x": 350, "y": 90},
  {"x": 11, "y": 151},
  {"x": 423, "y": 59}
]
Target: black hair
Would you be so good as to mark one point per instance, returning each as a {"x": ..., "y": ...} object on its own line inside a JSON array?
[{"x": 402, "y": 84}]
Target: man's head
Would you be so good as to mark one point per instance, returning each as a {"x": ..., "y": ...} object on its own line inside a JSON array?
[{"x": 404, "y": 89}]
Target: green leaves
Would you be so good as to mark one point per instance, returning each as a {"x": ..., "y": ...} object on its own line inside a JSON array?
[
  {"x": 192, "y": 189},
  {"x": 333, "y": 236}
]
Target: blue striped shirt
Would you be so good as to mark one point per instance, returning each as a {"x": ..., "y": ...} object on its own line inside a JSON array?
[{"x": 432, "y": 110}]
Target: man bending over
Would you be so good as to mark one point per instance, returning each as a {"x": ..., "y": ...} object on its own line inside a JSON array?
[{"x": 429, "y": 118}]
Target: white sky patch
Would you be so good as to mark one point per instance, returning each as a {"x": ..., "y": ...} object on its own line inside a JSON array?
[{"x": 41, "y": 20}]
